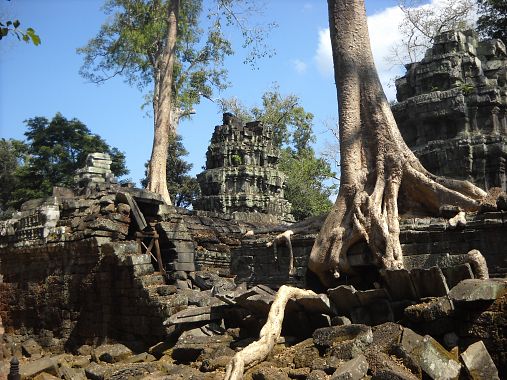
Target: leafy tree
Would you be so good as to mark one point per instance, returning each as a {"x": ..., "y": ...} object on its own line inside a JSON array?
[
  {"x": 56, "y": 149},
  {"x": 492, "y": 21},
  {"x": 307, "y": 185},
  {"x": 13, "y": 27},
  {"x": 159, "y": 44},
  {"x": 183, "y": 186},
  {"x": 422, "y": 22},
  {"x": 12, "y": 156}
]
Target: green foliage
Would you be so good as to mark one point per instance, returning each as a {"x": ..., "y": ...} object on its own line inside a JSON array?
[
  {"x": 307, "y": 185},
  {"x": 467, "y": 88},
  {"x": 492, "y": 22},
  {"x": 13, "y": 28},
  {"x": 55, "y": 150},
  {"x": 12, "y": 157},
  {"x": 182, "y": 187},
  {"x": 236, "y": 159},
  {"x": 131, "y": 44}
]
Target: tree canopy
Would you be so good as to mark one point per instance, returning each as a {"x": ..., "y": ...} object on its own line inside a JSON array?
[
  {"x": 492, "y": 20},
  {"x": 159, "y": 44},
  {"x": 53, "y": 151}
]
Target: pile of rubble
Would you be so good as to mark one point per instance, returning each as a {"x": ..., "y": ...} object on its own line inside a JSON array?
[{"x": 436, "y": 337}]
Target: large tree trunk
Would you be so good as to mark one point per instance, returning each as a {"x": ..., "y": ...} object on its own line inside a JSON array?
[
  {"x": 162, "y": 107},
  {"x": 376, "y": 164}
]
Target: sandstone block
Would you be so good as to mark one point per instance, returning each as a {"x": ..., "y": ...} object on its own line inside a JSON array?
[
  {"x": 33, "y": 368},
  {"x": 478, "y": 363},
  {"x": 31, "y": 348},
  {"x": 477, "y": 290},
  {"x": 354, "y": 369},
  {"x": 111, "y": 353}
]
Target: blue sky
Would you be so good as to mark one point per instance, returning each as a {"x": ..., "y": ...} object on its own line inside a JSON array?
[{"x": 44, "y": 80}]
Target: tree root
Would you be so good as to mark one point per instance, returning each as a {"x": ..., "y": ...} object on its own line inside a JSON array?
[
  {"x": 284, "y": 237},
  {"x": 257, "y": 351}
]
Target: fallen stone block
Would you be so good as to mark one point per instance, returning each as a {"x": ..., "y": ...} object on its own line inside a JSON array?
[
  {"x": 373, "y": 314},
  {"x": 45, "y": 376},
  {"x": 354, "y": 369},
  {"x": 143, "y": 357},
  {"x": 344, "y": 342},
  {"x": 30, "y": 369},
  {"x": 111, "y": 353},
  {"x": 195, "y": 314},
  {"x": 399, "y": 284},
  {"x": 457, "y": 273},
  {"x": 436, "y": 308},
  {"x": 68, "y": 373},
  {"x": 96, "y": 371},
  {"x": 429, "y": 282},
  {"x": 478, "y": 363},
  {"x": 478, "y": 290},
  {"x": 31, "y": 348},
  {"x": 343, "y": 298},
  {"x": 189, "y": 347},
  {"x": 433, "y": 359}
]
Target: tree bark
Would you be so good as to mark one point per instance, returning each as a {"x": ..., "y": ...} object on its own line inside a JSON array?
[
  {"x": 376, "y": 164},
  {"x": 162, "y": 107}
]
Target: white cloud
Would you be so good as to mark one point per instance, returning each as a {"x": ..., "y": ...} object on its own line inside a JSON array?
[
  {"x": 323, "y": 55},
  {"x": 383, "y": 28},
  {"x": 299, "y": 66}
]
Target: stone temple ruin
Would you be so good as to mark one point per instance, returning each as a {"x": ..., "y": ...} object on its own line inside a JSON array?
[
  {"x": 452, "y": 109},
  {"x": 107, "y": 282},
  {"x": 242, "y": 176}
]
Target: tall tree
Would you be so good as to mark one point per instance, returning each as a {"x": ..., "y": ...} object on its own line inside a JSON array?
[
  {"x": 377, "y": 167},
  {"x": 183, "y": 186},
  {"x": 492, "y": 20},
  {"x": 56, "y": 149},
  {"x": 159, "y": 43},
  {"x": 12, "y": 155}
]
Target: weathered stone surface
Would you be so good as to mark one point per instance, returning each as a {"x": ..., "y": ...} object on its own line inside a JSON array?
[
  {"x": 241, "y": 172},
  {"x": 343, "y": 342},
  {"x": 399, "y": 284},
  {"x": 266, "y": 372},
  {"x": 31, "y": 348},
  {"x": 45, "y": 376},
  {"x": 476, "y": 290},
  {"x": 68, "y": 373},
  {"x": 436, "y": 308},
  {"x": 343, "y": 298},
  {"x": 111, "y": 353},
  {"x": 457, "y": 273},
  {"x": 429, "y": 282},
  {"x": 30, "y": 369},
  {"x": 433, "y": 359},
  {"x": 95, "y": 371},
  {"x": 354, "y": 369},
  {"x": 478, "y": 363},
  {"x": 190, "y": 346},
  {"x": 450, "y": 110}
]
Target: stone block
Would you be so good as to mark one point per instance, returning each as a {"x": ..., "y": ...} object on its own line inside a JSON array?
[
  {"x": 95, "y": 371},
  {"x": 68, "y": 373},
  {"x": 457, "y": 273},
  {"x": 195, "y": 314},
  {"x": 186, "y": 257},
  {"x": 354, "y": 369},
  {"x": 478, "y": 363},
  {"x": 374, "y": 313},
  {"x": 31, "y": 369},
  {"x": 344, "y": 342},
  {"x": 111, "y": 353},
  {"x": 399, "y": 284},
  {"x": 433, "y": 359},
  {"x": 429, "y": 282},
  {"x": 187, "y": 267},
  {"x": 45, "y": 376},
  {"x": 432, "y": 310},
  {"x": 478, "y": 290},
  {"x": 367, "y": 297},
  {"x": 343, "y": 298},
  {"x": 31, "y": 348}
]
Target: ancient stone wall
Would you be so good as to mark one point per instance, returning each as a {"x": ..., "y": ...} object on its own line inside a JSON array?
[
  {"x": 452, "y": 109},
  {"x": 425, "y": 242}
]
